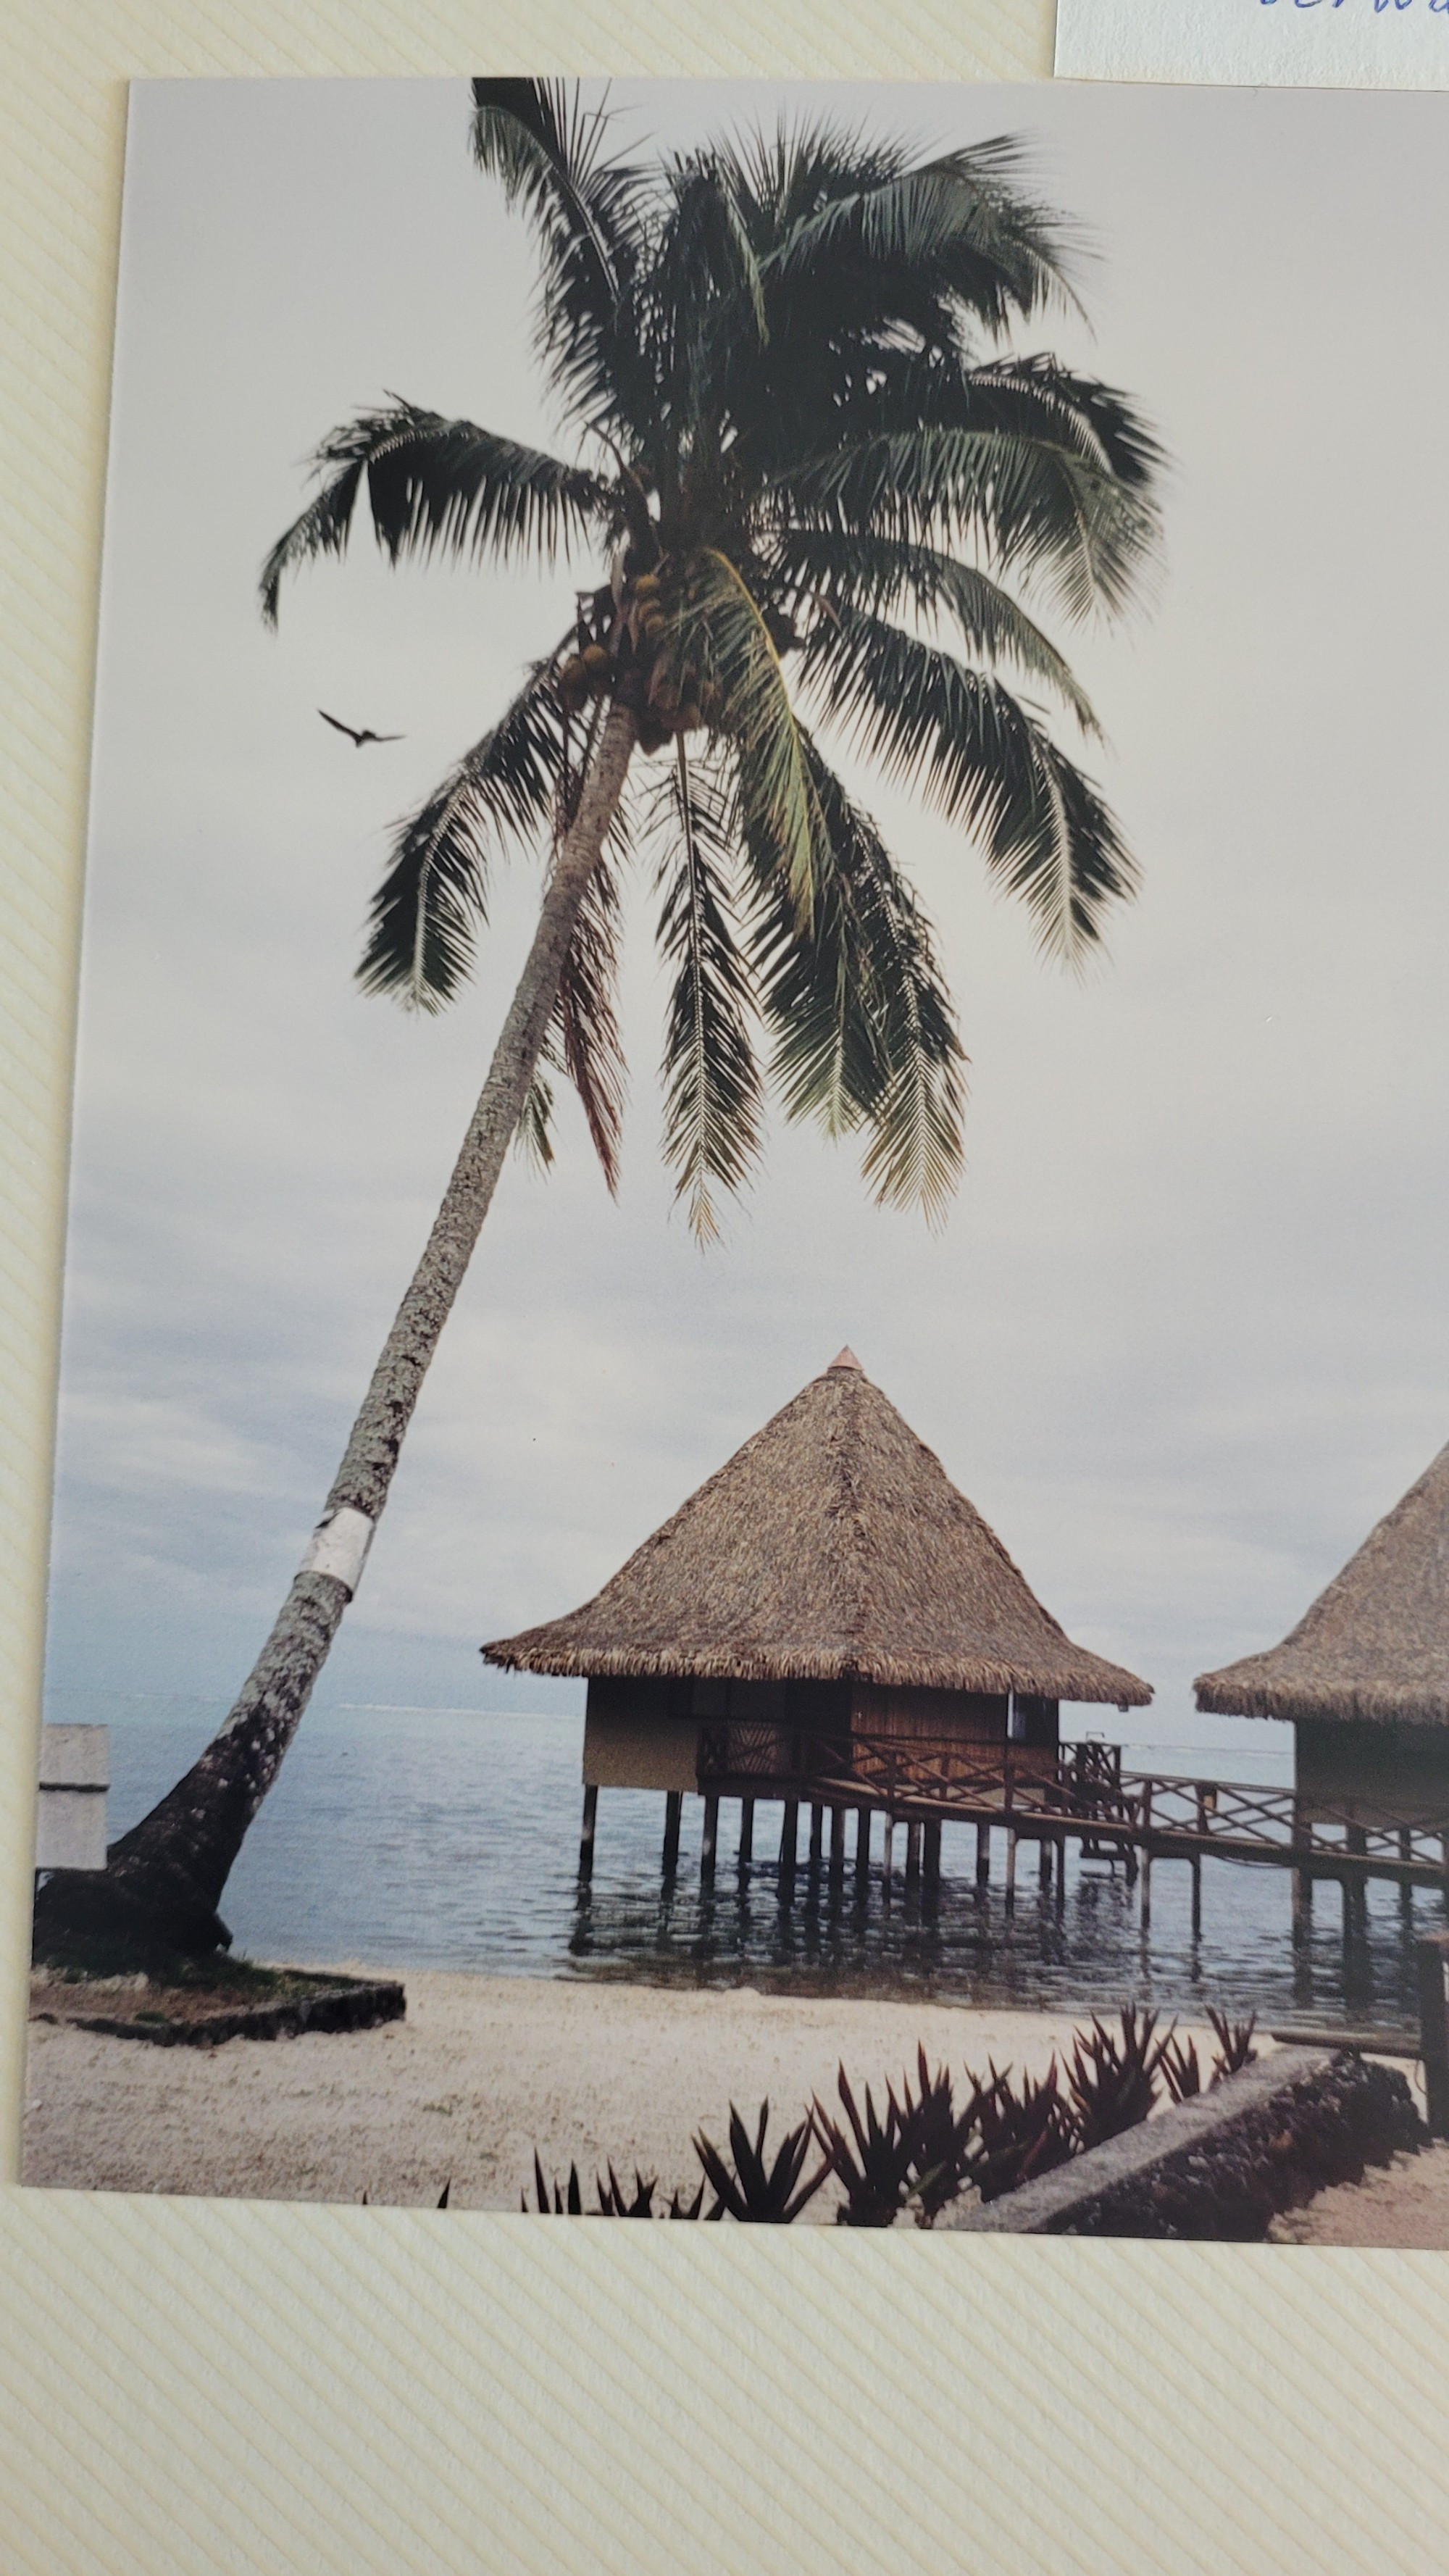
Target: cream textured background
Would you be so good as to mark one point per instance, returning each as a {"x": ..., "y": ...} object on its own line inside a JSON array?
[{"x": 195, "y": 2386}]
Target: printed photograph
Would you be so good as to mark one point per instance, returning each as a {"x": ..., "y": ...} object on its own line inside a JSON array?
[{"x": 751, "y": 1518}]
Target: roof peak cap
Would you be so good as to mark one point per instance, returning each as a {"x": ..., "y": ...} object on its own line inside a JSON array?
[{"x": 846, "y": 1359}]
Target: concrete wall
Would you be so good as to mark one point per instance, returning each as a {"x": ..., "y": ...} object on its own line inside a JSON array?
[
  {"x": 70, "y": 1830},
  {"x": 1220, "y": 2167}
]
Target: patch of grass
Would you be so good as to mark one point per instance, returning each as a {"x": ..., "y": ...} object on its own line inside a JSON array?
[{"x": 81, "y": 1959}]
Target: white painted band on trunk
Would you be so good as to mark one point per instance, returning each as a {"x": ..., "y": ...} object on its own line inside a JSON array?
[{"x": 339, "y": 1546}]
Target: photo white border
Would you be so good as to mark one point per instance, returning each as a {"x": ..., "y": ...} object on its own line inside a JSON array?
[{"x": 194, "y": 2386}]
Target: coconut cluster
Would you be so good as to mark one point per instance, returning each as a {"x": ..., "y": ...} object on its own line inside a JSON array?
[{"x": 621, "y": 648}]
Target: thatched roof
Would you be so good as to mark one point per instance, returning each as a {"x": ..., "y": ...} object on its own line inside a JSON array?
[
  {"x": 1375, "y": 1645},
  {"x": 832, "y": 1545}
]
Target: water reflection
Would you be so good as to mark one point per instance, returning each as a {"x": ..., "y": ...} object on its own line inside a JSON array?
[{"x": 446, "y": 1839}]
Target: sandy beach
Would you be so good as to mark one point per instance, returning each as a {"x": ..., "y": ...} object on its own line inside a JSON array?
[
  {"x": 1405, "y": 2204},
  {"x": 482, "y": 2071},
  {"x": 485, "y": 2069}
]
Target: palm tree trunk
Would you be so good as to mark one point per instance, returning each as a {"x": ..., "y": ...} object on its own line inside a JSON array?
[{"x": 163, "y": 1880}]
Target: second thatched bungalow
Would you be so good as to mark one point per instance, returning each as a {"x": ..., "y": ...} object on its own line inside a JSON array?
[
  {"x": 1364, "y": 1677},
  {"x": 826, "y": 1586}
]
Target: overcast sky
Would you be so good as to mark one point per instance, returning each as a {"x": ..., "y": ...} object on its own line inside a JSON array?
[{"x": 1185, "y": 1336}]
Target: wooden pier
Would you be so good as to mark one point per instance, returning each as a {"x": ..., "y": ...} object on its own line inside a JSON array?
[{"x": 1072, "y": 1791}]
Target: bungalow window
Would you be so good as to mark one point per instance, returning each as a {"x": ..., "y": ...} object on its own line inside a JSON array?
[
  {"x": 760, "y": 1702},
  {"x": 1035, "y": 1722}
]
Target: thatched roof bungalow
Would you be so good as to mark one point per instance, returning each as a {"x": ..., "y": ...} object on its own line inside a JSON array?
[
  {"x": 1364, "y": 1677},
  {"x": 829, "y": 1576}
]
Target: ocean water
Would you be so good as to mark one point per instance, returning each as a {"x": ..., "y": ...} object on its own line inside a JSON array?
[{"x": 443, "y": 1838}]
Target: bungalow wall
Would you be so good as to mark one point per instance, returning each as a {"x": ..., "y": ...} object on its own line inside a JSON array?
[
  {"x": 1401, "y": 1771},
  {"x": 634, "y": 1740},
  {"x": 644, "y": 1733},
  {"x": 969, "y": 1717}
]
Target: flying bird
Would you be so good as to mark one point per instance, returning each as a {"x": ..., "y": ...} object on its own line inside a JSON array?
[{"x": 353, "y": 736}]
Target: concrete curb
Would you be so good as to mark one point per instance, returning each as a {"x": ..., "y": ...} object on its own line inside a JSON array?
[
  {"x": 358, "y": 2007},
  {"x": 1104, "y": 2191}
]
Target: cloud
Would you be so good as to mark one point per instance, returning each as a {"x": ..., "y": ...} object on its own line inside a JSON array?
[{"x": 1184, "y": 1337}]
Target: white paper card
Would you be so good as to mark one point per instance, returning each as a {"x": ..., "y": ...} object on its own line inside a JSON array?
[{"x": 1295, "y": 44}]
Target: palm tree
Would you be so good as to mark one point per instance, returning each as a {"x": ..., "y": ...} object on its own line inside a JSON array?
[{"x": 800, "y": 445}]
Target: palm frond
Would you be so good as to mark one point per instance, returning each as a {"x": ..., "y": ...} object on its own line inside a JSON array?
[
  {"x": 434, "y": 898},
  {"x": 961, "y": 225},
  {"x": 1040, "y": 397},
  {"x": 705, "y": 289},
  {"x": 787, "y": 174},
  {"x": 533, "y": 1136},
  {"x": 1035, "y": 506},
  {"x": 589, "y": 211},
  {"x": 712, "y": 1090},
  {"x": 982, "y": 760},
  {"x": 865, "y": 1035},
  {"x": 883, "y": 574},
  {"x": 440, "y": 484},
  {"x": 585, "y": 1029},
  {"x": 720, "y": 634}
]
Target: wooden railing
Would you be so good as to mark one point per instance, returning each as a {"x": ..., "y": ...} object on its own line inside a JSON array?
[{"x": 1080, "y": 1785}]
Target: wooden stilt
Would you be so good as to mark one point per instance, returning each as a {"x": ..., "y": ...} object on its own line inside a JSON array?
[
  {"x": 1355, "y": 1887},
  {"x": 747, "y": 1833},
  {"x": 586, "y": 1838},
  {"x": 1302, "y": 1876},
  {"x": 789, "y": 1845},
  {"x": 1402, "y": 1851},
  {"x": 862, "y": 1849}
]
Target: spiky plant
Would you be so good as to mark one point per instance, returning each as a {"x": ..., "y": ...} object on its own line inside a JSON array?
[
  {"x": 1112, "y": 2079},
  {"x": 821, "y": 497},
  {"x": 1181, "y": 2068},
  {"x": 749, "y": 2189},
  {"x": 878, "y": 2162},
  {"x": 1023, "y": 2133},
  {"x": 554, "y": 2202},
  {"x": 681, "y": 2208},
  {"x": 1235, "y": 2048},
  {"x": 615, "y": 2202},
  {"x": 947, "y": 2139}
]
